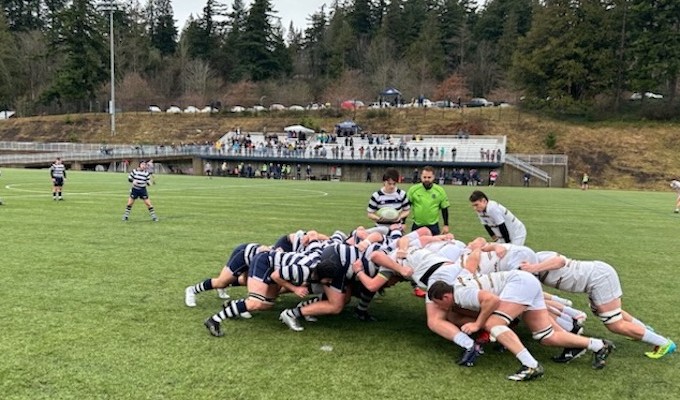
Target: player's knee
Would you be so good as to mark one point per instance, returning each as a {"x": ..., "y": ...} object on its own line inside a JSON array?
[
  {"x": 496, "y": 331},
  {"x": 610, "y": 317},
  {"x": 544, "y": 336},
  {"x": 258, "y": 302},
  {"x": 336, "y": 307}
]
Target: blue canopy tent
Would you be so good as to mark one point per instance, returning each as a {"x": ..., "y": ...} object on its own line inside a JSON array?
[
  {"x": 391, "y": 96},
  {"x": 347, "y": 128}
]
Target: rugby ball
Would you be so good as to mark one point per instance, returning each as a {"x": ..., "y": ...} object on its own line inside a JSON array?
[{"x": 388, "y": 214}]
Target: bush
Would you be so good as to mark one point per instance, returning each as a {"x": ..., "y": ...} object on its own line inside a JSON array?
[{"x": 550, "y": 141}]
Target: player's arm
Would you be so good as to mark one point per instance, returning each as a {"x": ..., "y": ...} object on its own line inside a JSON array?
[
  {"x": 373, "y": 216},
  {"x": 499, "y": 248},
  {"x": 549, "y": 264},
  {"x": 383, "y": 260},
  {"x": 301, "y": 291},
  {"x": 488, "y": 303},
  {"x": 504, "y": 232},
  {"x": 373, "y": 237},
  {"x": 471, "y": 261},
  {"x": 490, "y": 231},
  {"x": 445, "y": 218},
  {"x": 372, "y": 284}
]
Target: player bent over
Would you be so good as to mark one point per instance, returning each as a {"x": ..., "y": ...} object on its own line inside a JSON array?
[
  {"x": 234, "y": 273},
  {"x": 269, "y": 272},
  {"x": 601, "y": 282},
  {"x": 501, "y": 297}
]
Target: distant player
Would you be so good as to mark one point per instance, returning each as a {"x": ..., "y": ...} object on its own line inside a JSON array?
[
  {"x": 675, "y": 185},
  {"x": 140, "y": 178},
  {"x": 58, "y": 174},
  {"x": 499, "y": 222}
]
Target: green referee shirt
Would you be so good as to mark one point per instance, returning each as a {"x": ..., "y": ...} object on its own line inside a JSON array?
[{"x": 426, "y": 204}]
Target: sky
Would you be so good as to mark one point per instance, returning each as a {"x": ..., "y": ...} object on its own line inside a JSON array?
[{"x": 296, "y": 11}]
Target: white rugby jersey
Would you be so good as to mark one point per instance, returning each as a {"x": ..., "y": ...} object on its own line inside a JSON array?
[
  {"x": 675, "y": 185},
  {"x": 496, "y": 214},
  {"x": 514, "y": 256},
  {"x": 421, "y": 260},
  {"x": 575, "y": 276},
  {"x": 466, "y": 288},
  {"x": 450, "y": 249}
]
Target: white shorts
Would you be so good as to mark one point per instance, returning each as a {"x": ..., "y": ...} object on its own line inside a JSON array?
[
  {"x": 523, "y": 288},
  {"x": 604, "y": 284}
]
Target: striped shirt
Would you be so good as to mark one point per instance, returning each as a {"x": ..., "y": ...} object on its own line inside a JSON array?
[
  {"x": 58, "y": 170},
  {"x": 294, "y": 267},
  {"x": 397, "y": 200},
  {"x": 140, "y": 178},
  {"x": 249, "y": 252}
]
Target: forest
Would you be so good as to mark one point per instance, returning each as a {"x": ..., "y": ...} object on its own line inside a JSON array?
[{"x": 570, "y": 57}]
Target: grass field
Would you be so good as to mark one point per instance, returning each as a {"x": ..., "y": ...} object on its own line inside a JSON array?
[{"x": 93, "y": 307}]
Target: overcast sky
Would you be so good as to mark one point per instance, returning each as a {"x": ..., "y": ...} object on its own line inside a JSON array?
[{"x": 288, "y": 10}]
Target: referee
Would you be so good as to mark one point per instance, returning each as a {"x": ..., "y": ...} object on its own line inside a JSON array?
[{"x": 427, "y": 199}]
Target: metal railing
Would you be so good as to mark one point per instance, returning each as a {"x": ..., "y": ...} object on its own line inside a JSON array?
[
  {"x": 524, "y": 166},
  {"x": 543, "y": 159}
]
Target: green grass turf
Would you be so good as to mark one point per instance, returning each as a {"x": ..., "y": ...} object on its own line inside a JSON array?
[{"x": 92, "y": 307}]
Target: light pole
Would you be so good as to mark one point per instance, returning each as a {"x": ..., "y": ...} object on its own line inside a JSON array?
[{"x": 110, "y": 6}]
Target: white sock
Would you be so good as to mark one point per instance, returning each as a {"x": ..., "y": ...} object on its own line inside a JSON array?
[
  {"x": 595, "y": 345},
  {"x": 654, "y": 338},
  {"x": 574, "y": 313},
  {"x": 463, "y": 340},
  {"x": 566, "y": 323},
  {"x": 527, "y": 359},
  {"x": 562, "y": 300}
]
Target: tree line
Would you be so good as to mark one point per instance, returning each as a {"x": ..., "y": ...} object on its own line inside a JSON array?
[{"x": 564, "y": 54}]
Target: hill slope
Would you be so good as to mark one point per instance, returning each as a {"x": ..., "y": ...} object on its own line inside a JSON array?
[{"x": 617, "y": 155}]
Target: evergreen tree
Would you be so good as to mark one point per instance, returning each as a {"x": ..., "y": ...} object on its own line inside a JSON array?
[
  {"x": 340, "y": 42},
  {"x": 229, "y": 62},
  {"x": 567, "y": 53},
  {"x": 426, "y": 52},
  {"x": 161, "y": 26},
  {"x": 655, "y": 45},
  {"x": 9, "y": 66},
  {"x": 86, "y": 55},
  {"x": 261, "y": 44},
  {"x": 453, "y": 30}
]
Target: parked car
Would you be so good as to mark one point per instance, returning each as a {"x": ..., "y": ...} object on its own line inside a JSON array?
[
  {"x": 237, "y": 109},
  {"x": 648, "y": 95},
  {"x": 352, "y": 104},
  {"x": 315, "y": 106},
  {"x": 173, "y": 110},
  {"x": 155, "y": 109},
  {"x": 277, "y": 107},
  {"x": 208, "y": 110},
  {"x": 190, "y": 110},
  {"x": 446, "y": 104},
  {"x": 377, "y": 105},
  {"x": 258, "y": 108},
  {"x": 479, "y": 102},
  {"x": 296, "y": 107}
]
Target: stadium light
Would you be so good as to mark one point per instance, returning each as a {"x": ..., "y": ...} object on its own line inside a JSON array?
[{"x": 110, "y": 6}]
